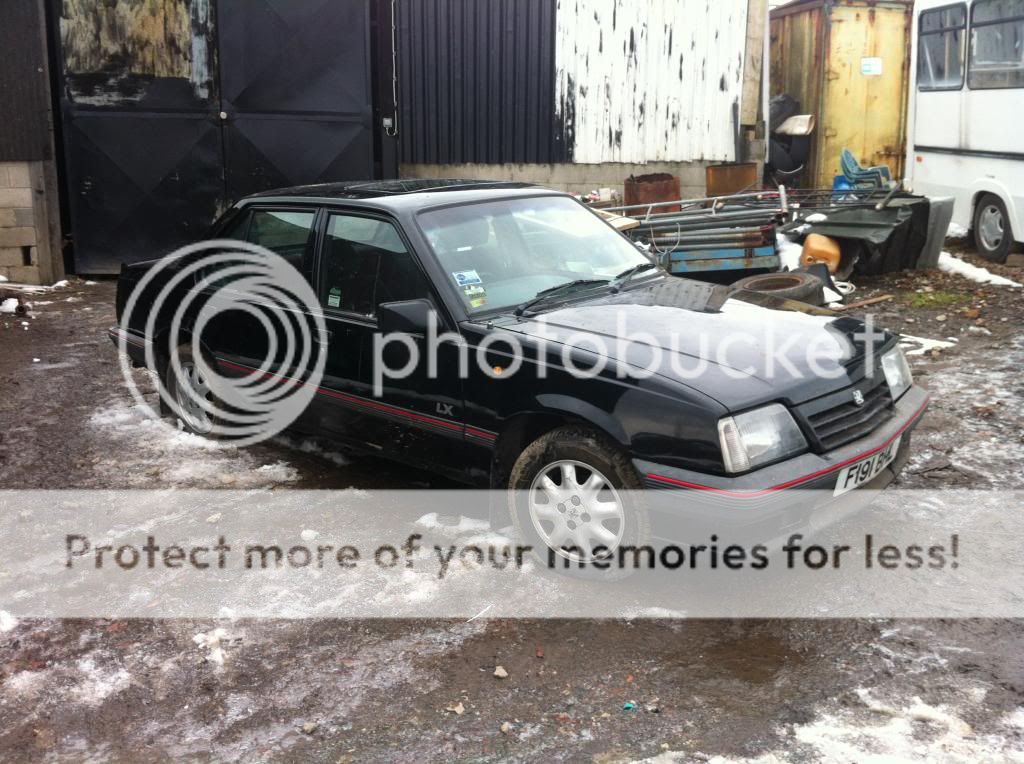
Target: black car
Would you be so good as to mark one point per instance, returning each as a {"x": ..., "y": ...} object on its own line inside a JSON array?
[{"x": 592, "y": 371}]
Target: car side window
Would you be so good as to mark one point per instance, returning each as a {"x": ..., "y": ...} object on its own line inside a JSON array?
[
  {"x": 286, "y": 232},
  {"x": 364, "y": 264}
]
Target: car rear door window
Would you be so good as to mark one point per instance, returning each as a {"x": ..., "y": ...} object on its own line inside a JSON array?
[
  {"x": 286, "y": 232},
  {"x": 365, "y": 263}
]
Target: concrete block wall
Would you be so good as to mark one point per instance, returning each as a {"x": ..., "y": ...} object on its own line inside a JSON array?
[
  {"x": 574, "y": 178},
  {"x": 26, "y": 247}
]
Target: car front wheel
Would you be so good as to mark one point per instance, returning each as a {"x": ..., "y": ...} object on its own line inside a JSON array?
[{"x": 577, "y": 500}]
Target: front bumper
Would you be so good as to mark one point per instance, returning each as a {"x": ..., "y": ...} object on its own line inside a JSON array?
[{"x": 778, "y": 497}]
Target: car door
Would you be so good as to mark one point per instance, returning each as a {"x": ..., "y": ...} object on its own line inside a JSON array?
[
  {"x": 289, "y": 232},
  {"x": 416, "y": 417},
  {"x": 241, "y": 340}
]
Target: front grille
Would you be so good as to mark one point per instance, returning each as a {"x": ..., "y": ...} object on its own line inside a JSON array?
[{"x": 837, "y": 420}]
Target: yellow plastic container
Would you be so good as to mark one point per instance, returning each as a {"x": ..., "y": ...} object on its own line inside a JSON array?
[{"x": 821, "y": 249}]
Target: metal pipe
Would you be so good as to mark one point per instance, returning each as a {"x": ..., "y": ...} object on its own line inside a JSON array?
[
  {"x": 720, "y": 221},
  {"x": 756, "y": 237},
  {"x": 686, "y": 202},
  {"x": 712, "y": 247},
  {"x": 694, "y": 232},
  {"x": 888, "y": 198}
]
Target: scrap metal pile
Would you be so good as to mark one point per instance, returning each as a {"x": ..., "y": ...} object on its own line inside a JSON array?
[{"x": 816, "y": 237}]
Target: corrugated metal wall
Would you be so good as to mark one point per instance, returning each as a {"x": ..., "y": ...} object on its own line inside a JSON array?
[
  {"x": 24, "y": 134},
  {"x": 476, "y": 80},
  {"x": 650, "y": 80}
]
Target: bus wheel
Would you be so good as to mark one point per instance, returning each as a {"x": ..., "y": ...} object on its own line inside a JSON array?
[{"x": 992, "y": 233}]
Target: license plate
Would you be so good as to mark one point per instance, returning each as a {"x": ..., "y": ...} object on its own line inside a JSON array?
[{"x": 866, "y": 469}]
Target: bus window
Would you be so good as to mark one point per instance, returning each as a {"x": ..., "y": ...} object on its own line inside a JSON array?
[
  {"x": 997, "y": 45},
  {"x": 940, "y": 49}
]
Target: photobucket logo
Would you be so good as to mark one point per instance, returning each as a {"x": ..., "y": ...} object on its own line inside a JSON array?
[
  {"x": 274, "y": 319},
  {"x": 615, "y": 349}
]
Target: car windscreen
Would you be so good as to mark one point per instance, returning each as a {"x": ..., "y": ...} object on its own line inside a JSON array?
[{"x": 501, "y": 254}]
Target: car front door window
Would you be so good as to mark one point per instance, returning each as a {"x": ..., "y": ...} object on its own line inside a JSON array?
[{"x": 365, "y": 263}]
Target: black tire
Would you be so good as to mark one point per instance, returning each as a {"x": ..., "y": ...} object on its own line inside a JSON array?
[
  {"x": 172, "y": 384},
  {"x": 593, "y": 452},
  {"x": 793, "y": 285},
  {"x": 988, "y": 212}
]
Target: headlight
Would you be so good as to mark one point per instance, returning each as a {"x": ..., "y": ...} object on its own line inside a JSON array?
[
  {"x": 759, "y": 436},
  {"x": 897, "y": 372}
]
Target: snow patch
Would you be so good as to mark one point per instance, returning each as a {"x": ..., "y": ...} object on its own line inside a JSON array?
[
  {"x": 278, "y": 472},
  {"x": 956, "y": 231},
  {"x": 213, "y": 642},
  {"x": 7, "y": 622},
  {"x": 10, "y": 305},
  {"x": 950, "y": 264},
  {"x": 916, "y": 733},
  {"x": 432, "y": 521},
  {"x": 173, "y": 455},
  {"x": 98, "y": 684},
  {"x": 920, "y": 345},
  {"x": 312, "y": 447},
  {"x": 1016, "y": 719},
  {"x": 25, "y": 682}
]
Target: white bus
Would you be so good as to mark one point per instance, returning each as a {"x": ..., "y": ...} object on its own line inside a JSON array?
[{"x": 967, "y": 115}]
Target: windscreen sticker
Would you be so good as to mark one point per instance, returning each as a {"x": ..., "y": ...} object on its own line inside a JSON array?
[
  {"x": 334, "y": 298},
  {"x": 475, "y": 294},
  {"x": 462, "y": 278}
]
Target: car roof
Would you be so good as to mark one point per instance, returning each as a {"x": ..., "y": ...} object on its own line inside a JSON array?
[{"x": 401, "y": 194}]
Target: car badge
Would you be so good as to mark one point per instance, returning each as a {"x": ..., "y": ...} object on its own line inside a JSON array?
[{"x": 858, "y": 397}]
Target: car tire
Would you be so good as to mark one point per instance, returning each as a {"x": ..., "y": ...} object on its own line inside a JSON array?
[
  {"x": 183, "y": 391},
  {"x": 792, "y": 285},
  {"x": 993, "y": 234},
  {"x": 554, "y": 528}
]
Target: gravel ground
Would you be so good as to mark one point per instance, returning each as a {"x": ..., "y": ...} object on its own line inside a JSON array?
[{"x": 382, "y": 690}]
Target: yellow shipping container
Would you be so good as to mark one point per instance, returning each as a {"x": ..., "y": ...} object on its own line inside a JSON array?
[{"x": 847, "y": 62}]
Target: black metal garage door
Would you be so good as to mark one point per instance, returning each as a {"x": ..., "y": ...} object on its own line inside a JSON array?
[{"x": 173, "y": 109}]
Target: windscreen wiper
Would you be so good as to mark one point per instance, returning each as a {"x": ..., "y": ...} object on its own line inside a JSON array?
[
  {"x": 555, "y": 291},
  {"x": 624, "y": 278}
]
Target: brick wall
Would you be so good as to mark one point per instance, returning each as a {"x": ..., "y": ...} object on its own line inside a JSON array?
[{"x": 26, "y": 252}]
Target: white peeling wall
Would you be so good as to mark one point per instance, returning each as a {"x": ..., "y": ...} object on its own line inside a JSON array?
[{"x": 650, "y": 80}]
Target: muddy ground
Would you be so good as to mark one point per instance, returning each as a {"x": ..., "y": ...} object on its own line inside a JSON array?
[{"x": 382, "y": 690}]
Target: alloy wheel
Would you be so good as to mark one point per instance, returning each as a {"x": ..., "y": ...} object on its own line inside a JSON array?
[
  {"x": 576, "y": 510},
  {"x": 190, "y": 391}
]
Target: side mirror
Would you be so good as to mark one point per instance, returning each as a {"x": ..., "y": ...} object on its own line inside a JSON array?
[{"x": 406, "y": 317}]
